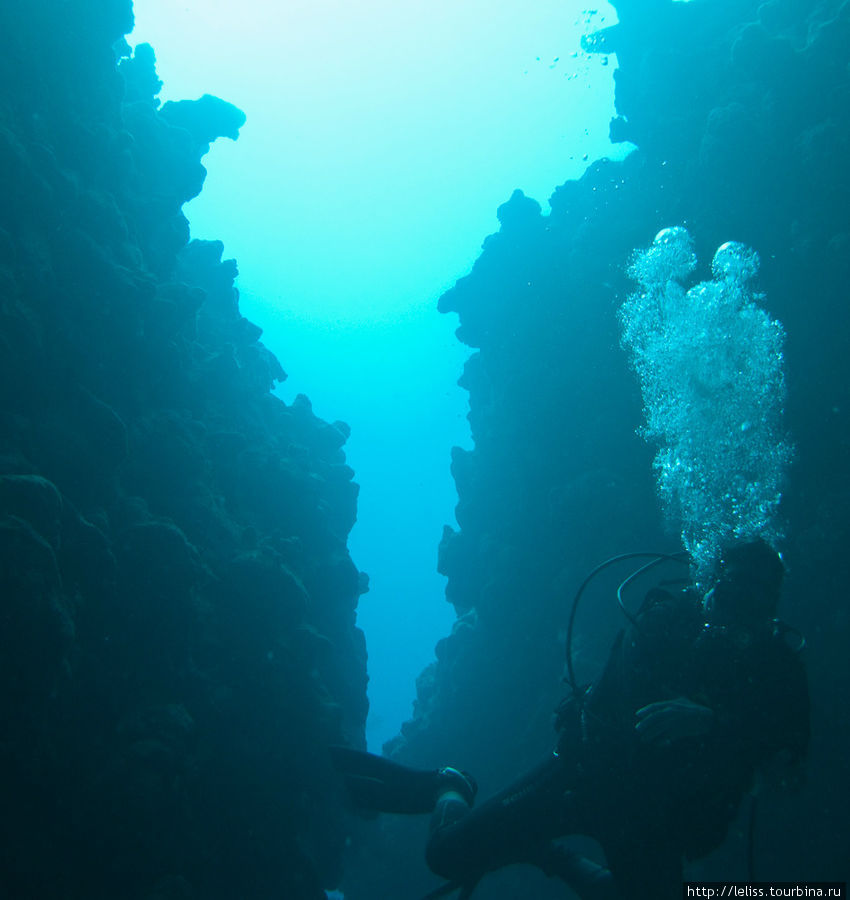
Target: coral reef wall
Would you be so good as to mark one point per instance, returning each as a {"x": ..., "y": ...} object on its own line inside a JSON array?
[
  {"x": 177, "y": 637},
  {"x": 739, "y": 110}
]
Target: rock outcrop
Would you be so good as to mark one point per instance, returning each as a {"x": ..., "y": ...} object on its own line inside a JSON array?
[{"x": 177, "y": 637}]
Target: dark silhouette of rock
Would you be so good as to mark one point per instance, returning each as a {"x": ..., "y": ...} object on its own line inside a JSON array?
[
  {"x": 177, "y": 637},
  {"x": 206, "y": 119}
]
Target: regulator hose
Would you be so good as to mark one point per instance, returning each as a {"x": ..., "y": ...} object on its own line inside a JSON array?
[{"x": 655, "y": 559}]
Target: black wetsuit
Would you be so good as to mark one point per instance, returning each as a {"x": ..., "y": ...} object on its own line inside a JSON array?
[
  {"x": 650, "y": 805},
  {"x": 647, "y": 805}
]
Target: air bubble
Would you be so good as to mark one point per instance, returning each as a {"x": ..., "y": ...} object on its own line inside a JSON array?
[
  {"x": 735, "y": 262},
  {"x": 671, "y": 257}
]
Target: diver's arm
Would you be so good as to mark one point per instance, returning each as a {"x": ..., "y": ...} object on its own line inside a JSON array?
[{"x": 670, "y": 720}]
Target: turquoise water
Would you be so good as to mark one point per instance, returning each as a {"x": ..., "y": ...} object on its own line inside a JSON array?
[{"x": 396, "y": 130}]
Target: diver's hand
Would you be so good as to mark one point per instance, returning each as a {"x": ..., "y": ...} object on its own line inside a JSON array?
[{"x": 669, "y": 720}]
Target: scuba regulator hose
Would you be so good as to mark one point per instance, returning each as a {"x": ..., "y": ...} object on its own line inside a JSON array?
[{"x": 655, "y": 559}]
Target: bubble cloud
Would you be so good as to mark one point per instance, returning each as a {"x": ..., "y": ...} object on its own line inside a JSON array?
[{"x": 709, "y": 361}]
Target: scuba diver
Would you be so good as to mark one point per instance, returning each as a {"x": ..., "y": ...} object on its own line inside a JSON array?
[{"x": 651, "y": 761}]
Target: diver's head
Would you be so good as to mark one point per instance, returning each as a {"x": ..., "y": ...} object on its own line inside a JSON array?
[{"x": 747, "y": 584}]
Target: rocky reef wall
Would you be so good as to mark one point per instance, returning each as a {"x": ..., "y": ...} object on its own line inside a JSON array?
[
  {"x": 177, "y": 636},
  {"x": 739, "y": 113}
]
